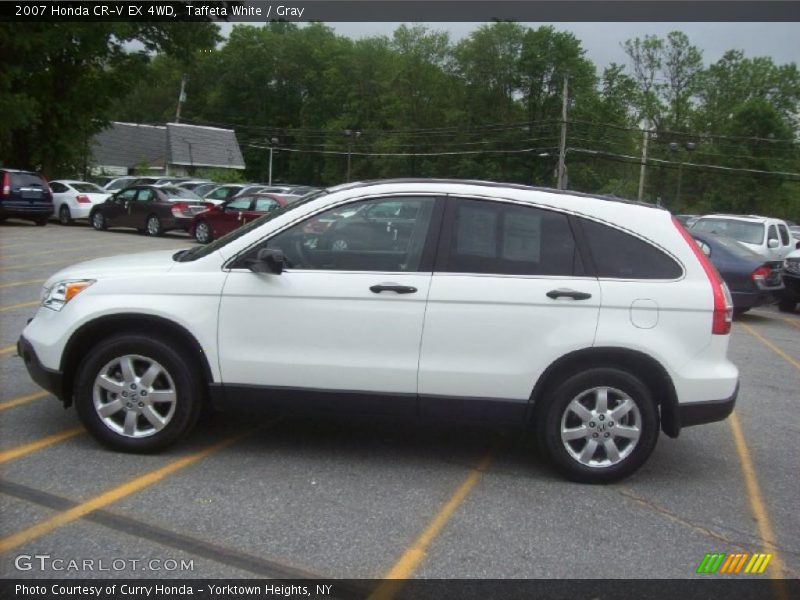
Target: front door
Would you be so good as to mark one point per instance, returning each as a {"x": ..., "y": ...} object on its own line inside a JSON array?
[
  {"x": 116, "y": 211},
  {"x": 346, "y": 319}
]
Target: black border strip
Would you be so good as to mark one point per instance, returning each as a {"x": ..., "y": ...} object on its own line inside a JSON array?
[{"x": 416, "y": 11}]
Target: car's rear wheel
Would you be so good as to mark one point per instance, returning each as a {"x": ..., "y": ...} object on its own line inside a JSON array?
[
  {"x": 137, "y": 394},
  {"x": 787, "y": 305},
  {"x": 99, "y": 221},
  {"x": 203, "y": 233},
  {"x": 153, "y": 226},
  {"x": 64, "y": 216},
  {"x": 599, "y": 425}
]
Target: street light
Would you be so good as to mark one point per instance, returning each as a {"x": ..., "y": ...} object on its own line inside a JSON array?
[
  {"x": 272, "y": 142},
  {"x": 674, "y": 148},
  {"x": 350, "y": 135}
]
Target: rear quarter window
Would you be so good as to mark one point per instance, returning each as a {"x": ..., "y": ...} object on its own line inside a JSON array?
[{"x": 619, "y": 255}]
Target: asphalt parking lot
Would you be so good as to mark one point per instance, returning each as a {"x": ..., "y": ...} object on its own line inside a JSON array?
[{"x": 320, "y": 497}]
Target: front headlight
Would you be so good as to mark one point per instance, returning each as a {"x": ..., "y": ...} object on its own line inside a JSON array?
[{"x": 58, "y": 295}]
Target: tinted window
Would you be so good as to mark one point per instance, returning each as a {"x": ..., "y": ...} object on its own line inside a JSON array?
[
  {"x": 26, "y": 179},
  {"x": 507, "y": 239},
  {"x": 58, "y": 188},
  {"x": 620, "y": 255},
  {"x": 353, "y": 238}
]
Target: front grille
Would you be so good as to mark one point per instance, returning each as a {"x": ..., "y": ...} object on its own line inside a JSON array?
[{"x": 793, "y": 266}]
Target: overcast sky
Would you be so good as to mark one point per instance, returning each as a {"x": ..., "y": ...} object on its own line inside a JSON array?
[{"x": 780, "y": 41}]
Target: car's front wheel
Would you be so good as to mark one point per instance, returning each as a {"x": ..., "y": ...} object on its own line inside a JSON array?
[
  {"x": 599, "y": 425},
  {"x": 787, "y": 305},
  {"x": 153, "y": 226},
  {"x": 202, "y": 232},
  {"x": 137, "y": 394}
]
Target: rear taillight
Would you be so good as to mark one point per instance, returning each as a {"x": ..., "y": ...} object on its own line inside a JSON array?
[
  {"x": 178, "y": 208},
  {"x": 81, "y": 199},
  {"x": 6, "y": 184},
  {"x": 723, "y": 303},
  {"x": 761, "y": 273}
]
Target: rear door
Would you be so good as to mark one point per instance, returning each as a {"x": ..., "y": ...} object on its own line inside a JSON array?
[{"x": 509, "y": 296}]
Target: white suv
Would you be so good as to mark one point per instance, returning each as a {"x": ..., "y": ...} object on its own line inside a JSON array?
[
  {"x": 770, "y": 238},
  {"x": 598, "y": 322}
]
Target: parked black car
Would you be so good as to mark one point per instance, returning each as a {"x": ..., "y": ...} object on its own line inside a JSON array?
[
  {"x": 150, "y": 209},
  {"x": 751, "y": 280},
  {"x": 789, "y": 297},
  {"x": 25, "y": 195}
]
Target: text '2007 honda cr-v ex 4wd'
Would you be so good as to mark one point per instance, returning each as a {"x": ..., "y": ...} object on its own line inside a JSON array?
[{"x": 598, "y": 322}]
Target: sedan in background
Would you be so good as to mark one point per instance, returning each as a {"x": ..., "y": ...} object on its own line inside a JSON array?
[
  {"x": 224, "y": 218},
  {"x": 751, "y": 280},
  {"x": 221, "y": 193},
  {"x": 119, "y": 183},
  {"x": 149, "y": 209},
  {"x": 75, "y": 199}
]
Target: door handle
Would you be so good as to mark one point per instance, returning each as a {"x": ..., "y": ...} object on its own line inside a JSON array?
[
  {"x": 567, "y": 293},
  {"x": 392, "y": 287}
]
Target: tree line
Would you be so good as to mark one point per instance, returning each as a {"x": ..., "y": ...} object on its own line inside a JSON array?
[{"x": 722, "y": 137}]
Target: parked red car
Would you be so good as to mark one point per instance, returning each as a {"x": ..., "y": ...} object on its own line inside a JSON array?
[{"x": 224, "y": 218}]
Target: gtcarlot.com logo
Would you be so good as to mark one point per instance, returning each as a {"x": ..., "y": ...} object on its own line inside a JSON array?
[{"x": 731, "y": 564}]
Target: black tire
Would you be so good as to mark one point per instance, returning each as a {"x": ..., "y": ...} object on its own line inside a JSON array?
[
  {"x": 738, "y": 312},
  {"x": 787, "y": 306},
  {"x": 152, "y": 226},
  {"x": 187, "y": 390},
  {"x": 64, "y": 216},
  {"x": 99, "y": 221},
  {"x": 41, "y": 222},
  {"x": 203, "y": 232},
  {"x": 553, "y": 412}
]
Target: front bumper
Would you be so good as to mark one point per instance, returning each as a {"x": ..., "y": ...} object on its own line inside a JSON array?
[
  {"x": 50, "y": 380},
  {"x": 699, "y": 413}
]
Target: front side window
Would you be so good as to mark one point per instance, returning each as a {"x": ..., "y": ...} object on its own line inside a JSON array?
[
  {"x": 372, "y": 235},
  {"x": 126, "y": 195},
  {"x": 785, "y": 239},
  {"x": 145, "y": 195},
  {"x": 265, "y": 204},
  {"x": 239, "y": 204},
  {"x": 508, "y": 239},
  {"x": 619, "y": 255},
  {"x": 773, "y": 233}
]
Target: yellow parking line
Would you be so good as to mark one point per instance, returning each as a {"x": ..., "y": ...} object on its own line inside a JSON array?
[
  {"x": 112, "y": 495},
  {"x": 757, "y": 507},
  {"x": 791, "y": 321},
  {"x": 20, "y": 305},
  {"x": 8, "y": 349},
  {"x": 18, "y": 283},
  {"x": 414, "y": 555},
  {"x": 22, "y": 400},
  {"x": 791, "y": 360},
  {"x": 49, "y": 440}
]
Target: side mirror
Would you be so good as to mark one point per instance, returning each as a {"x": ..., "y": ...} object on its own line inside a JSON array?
[
  {"x": 267, "y": 260},
  {"x": 773, "y": 244}
]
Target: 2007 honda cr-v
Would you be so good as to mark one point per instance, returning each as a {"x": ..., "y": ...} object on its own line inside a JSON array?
[{"x": 598, "y": 322}]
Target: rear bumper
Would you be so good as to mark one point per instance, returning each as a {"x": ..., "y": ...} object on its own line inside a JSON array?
[
  {"x": 753, "y": 299},
  {"x": 50, "y": 380},
  {"x": 699, "y": 413},
  {"x": 26, "y": 211}
]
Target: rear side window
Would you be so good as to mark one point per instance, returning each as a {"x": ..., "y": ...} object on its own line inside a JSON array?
[
  {"x": 507, "y": 239},
  {"x": 784, "y": 235},
  {"x": 619, "y": 255}
]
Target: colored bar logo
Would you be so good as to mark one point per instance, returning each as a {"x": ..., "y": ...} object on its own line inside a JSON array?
[{"x": 739, "y": 562}]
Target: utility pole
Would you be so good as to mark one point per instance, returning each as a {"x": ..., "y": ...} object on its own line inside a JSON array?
[
  {"x": 645, "y": 138},
  {"x": 272, "y": 142},
  {"x": 562, "y": 146},
  {"x": 181, "y": 98}
]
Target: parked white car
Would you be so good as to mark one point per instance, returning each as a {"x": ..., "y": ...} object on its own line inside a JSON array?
[
  {"x": 768, "y": 237},
  {"x": 75, "y": 199},
  {"x": 596, "y": 322}
]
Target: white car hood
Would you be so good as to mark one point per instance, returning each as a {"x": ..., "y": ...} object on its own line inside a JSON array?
[{"x": 117, "y": 266}]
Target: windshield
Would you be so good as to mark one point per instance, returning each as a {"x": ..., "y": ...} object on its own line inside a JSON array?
[
  {"x": 201, "y": 251},
  {"x": 88, "y": 188},
  {"x": 176, "y": 193},
  {"x": 749, "y": 233}
]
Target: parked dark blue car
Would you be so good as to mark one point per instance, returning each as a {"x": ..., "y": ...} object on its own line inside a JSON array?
[
  {"x": 25, "y": 195},
  {"x": 751, "y": 280}
]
